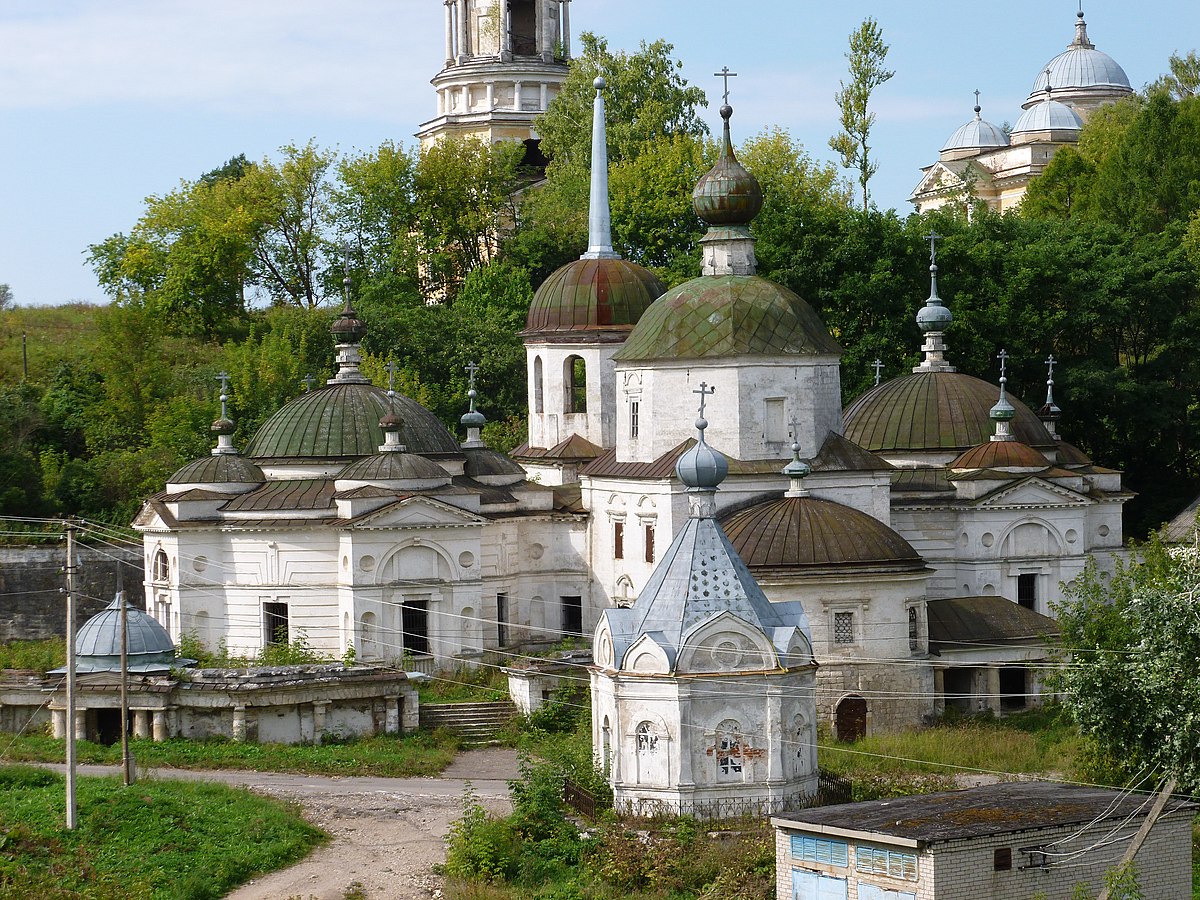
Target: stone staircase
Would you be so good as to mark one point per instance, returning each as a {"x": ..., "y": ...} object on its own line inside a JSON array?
[{"x": 476, "y": 723}]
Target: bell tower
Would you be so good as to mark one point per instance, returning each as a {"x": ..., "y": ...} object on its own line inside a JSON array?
[{"x": 504, "y": 62}]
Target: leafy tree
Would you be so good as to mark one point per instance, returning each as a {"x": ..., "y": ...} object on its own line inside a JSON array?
[
  {"x": 6, "y": 297},
  {"x": 1184, "y": 80},
  {"x": 866, "y": 55},
  {"x": 1133, "y": 639}
]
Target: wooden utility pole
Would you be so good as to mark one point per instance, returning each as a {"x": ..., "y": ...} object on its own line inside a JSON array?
[
  {"x": 72, "y": 816},
  {"x": 1144, "y": 832},
  {"x": 126, "y": 758}
]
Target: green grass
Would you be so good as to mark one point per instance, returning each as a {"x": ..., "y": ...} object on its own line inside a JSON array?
[
  {"x": 41, "y": 656},
  {"x": 424, "y": 753},
  {"x": 481, "y": 684},
  {"x": 169, "y": 840}
]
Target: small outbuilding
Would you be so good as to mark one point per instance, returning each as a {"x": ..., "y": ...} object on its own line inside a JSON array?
[{"x": 1002, "y": 841}]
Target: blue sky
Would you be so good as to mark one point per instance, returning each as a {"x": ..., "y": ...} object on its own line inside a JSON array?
[{"x": 105, "y": 103}]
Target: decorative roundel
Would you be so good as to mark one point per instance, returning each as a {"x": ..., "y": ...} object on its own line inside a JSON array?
[
  {"x": 1072, "y": 535},
  {"x": 536, "y": 551},
  {"x": 988, "y": 539},
  {"x": 366, "y": 563},
  {"x": 200, "y": 563},
  {"x": 466, "y": 559}
]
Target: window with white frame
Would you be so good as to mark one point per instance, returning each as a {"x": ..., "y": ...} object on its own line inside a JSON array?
[{"x": 634, "y": 415}]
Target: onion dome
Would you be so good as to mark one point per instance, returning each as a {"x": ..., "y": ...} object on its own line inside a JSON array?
[
  {"x": 223, "y": 426},
  {"x": 342, "y": 420},
  {"x": 934, "y": 412},
  {"x": 976, "y": 135},
  {"x": 148, "y": 645},
  {"x": 808, "y": 533},
  {"x": 1049, "y": 115},
  {"x": 728, "y": 315},
  {"x": 1003, "y": 411},
  {"x": 223, "y": 472},
  {"x": 727, "y": 194},
  {"x": 1001, "y": 455},
  {"x": 702, "y": 468},
  {"x": 599, "y": 292},
  {"x": 1081, "y": 72},
  {"x": 348, "y": 328}
]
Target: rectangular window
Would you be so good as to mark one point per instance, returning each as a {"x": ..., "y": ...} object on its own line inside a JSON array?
[
  {"x": 572, "y": 616},
  {"x": 774, "y": 424},
  {"x": 880, "y": 861},
  {"x": 1002, "y": 859},
  {"x": 618, "y": 540},
  {"x": 729, "y": 755},
  {"x": 414, "y": 622},
  {"x": 843, "y": 628},
  {"x": 275, "y": 623},
  {"x": 1027, "y": 590},
  {"x": 650, "y": 543},
  {"x": 820, "y": 850},
  {"x": 502, "y": 619},
  {"x": 914, "y": 632},
  {"x": 633, "y": 417}
]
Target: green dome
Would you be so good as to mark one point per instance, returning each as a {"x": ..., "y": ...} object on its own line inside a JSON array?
[
  {"x": 342, "y": 420},
  {"x": 727, "y": 315},
  {"x": 934, "y": 411},
  {"x": 592, "y": 294},
  {"x": 220, "y": 468},
  {"x": 727, "y": 194}
]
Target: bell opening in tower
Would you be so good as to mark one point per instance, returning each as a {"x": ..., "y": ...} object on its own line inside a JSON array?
[{"x": 522, "y": 14}]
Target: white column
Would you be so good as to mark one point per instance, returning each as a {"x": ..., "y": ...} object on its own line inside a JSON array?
[
  {"x": 58, "y": 721},
  {"x": 463, "y": 45},
  {"x": 81, "y": 724},
  {"x": 542, "y": 11},
  {"x": 566, "y": 28},
  {"x": 239, "y": 723},
  {"x": 542, "y": 97},
  {"x": 392, "y": 715},
  {"x": 141, "y": 723},
  {"x": 159, "y": 729},
  {"x": 449, "y": 33},
  {"x": 516, "y": 95},
  {"x": 505, "y": 29},
  {"x": 491, "y": 96}
]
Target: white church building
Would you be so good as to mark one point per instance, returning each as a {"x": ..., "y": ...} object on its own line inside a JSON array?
[{"x": 354, "y": 518}]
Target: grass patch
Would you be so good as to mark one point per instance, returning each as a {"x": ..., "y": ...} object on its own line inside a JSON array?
[
  {"x": 155, "y": 839},
  {"x": 480, "y": 684},
  {"x": 41, "y": 656},
  {"x": 423, "y": 753}
]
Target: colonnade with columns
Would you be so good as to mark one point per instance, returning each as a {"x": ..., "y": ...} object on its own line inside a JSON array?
[
  {"x": 457, "y": 99},
  {"x": 460, "y": 38}
]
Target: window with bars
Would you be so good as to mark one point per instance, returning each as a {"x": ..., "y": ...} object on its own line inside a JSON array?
[
  {"x": 729, "y": 748},
  {"x": 647, "y": 738},
  {"x": 914, "y": 634},
  {"x": 634, "y": 415},
  {"x": 843, "y": 628}
]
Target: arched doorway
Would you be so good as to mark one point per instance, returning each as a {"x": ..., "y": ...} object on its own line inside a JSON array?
[{"x": 851, "y": 719}]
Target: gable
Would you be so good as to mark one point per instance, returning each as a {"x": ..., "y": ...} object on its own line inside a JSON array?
[
  {"x": 1033, "y": 492},
  {"x": 937, "y": 179},
  {"x": 416, "y": 512}
]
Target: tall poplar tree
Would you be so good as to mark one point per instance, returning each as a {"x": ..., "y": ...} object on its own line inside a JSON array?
[{"x": 866, "y": 55}]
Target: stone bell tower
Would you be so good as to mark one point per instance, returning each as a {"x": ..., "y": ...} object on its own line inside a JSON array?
[{"x": 505, "y": 61}]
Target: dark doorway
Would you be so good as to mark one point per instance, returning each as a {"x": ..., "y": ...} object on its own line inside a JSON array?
[
  {"x": 108, "y": 726},
  {"x": 852, "y": 719},
  {"x": 572, "y": 616},
  {"x": 502, "y": 619},
  {"x": 414, "y": 622},
  {"x": 523, "y": 22},
  {"x": 957, "y": 687},
  {"x": 1013, "y": 688},
  {"x": 275, "y": 623},
  {"x": 1027, "y": 591}
]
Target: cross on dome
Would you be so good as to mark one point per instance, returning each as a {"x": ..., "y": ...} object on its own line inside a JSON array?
[
  {"x": 978, "y": 108},
  {"x": 725, "y": 75},
  {"x": 878, "y": 367},
  {"x": 1003, "y": 357},
  {"x": 391, "y": 370},
  {"x": 309, "y": 381},
  {"x": 933, "y": 237},
  {"x": 704, "y": 391}
]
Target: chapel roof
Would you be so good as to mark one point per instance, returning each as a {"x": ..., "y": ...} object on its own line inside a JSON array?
[
  {"x": 1000, "y": 455},
  {"x": 98, "y": 642},
  {"x": 1049, "y": 115},
  {"x": 976, "y": 134},
  {"x": 222, "y": 468}
]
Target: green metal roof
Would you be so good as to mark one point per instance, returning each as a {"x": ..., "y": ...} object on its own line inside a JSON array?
[
  {"x": 727, "y": 315},
  {"x": 221, "y": 468},
  {"x": 934, "y": 411},
  {"x": 342, "y": 420},
  {"x": 589, "y": 294}
]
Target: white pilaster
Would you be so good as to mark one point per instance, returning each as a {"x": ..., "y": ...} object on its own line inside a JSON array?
[
  {"x": 463, "y": 46},
  {"x": 449, "y": 33},
  {"x": 516, "y": 95},
  {"x": 542, "y": 96},
  {"x": 566, "y": 28}
]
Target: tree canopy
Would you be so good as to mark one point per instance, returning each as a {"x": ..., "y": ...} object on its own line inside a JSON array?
[{"x": 866, "y": 57}]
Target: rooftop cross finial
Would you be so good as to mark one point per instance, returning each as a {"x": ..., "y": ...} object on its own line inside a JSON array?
[
  {"x": 471, "y": 368},
  {"x": 1048, "y": 86},
  {"x": 223, "y": 377},
  {"x": 1003, "y": 357},
  {"x": 704, "y": 391},
  {"x": 878, "y": 367},
  {"x": 391, "y": 370},
  {"x": 725, "y": 75},
  {"x": 309, "y": 381},
  {"x": 976, "y": 99},
  {"x": 346, "y": 272},
  {"x": 1050, "y": 361},
  {"x": 933, "y": 237}
]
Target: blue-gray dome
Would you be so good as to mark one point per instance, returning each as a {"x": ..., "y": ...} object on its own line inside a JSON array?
[
  {"x": 98, "y": 643},
  {"x": 976, "y": 135},
  {"x": 1049, "y": 115},
  {"x": 1081, "y": 71},
  {"x": 702, "y": 468}
]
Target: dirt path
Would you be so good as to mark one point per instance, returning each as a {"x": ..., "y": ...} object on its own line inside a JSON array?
[{"x": 387, "y": 832}]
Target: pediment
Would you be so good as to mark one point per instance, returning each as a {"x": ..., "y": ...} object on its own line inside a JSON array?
[
  {"x": 154, "y": 516},
  {"x": 726, "y": 643},
  {"x": 646, "y": 657},
  {"x": 416, "y": 512},
  {"x": 1034, "y": 492},
  {"x": 939, "y": 178}
]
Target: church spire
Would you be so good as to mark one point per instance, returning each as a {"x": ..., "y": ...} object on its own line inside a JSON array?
[
  {"x": 348, "y": 331},
  {"x": 1081, "y": 36},
  {"x": 599, "y": 221},
  {"x": 1003, "y": 412},
  {"x": 934, "y": 318},
  {"x": 223, "y": 427},
  {"x": 472, "y": 419},
  {"x": 1050, "y": 413}
]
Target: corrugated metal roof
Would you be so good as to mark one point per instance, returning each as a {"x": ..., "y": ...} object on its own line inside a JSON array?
[
  {"x": 999, "y": 454},
  {"x": 963, "y": 622},
  {"x": 300, "y": 493},
  {"x": 573, "y": 448},
  {"x": 935, "y": 411},
  {"x": 727, "y": 315}
]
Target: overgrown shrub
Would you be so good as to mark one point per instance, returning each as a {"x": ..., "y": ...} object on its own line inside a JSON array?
[{"x": 481, "y": 846}]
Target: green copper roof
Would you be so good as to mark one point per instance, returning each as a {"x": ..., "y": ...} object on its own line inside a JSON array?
[
  {"x": 591, "y": 294},
  {"x": 727, "y": 315},
  {"x": 221, "y": 468},
  {"x": 342, "y": 420},
  {"x": 934, "y": 411}
]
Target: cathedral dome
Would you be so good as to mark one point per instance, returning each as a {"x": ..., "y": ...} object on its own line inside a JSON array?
[
  {"x": 934, "y": 411},
  {"x": 342, "y": 420},
  {"x": 1049, "y": 115},
  {"x": 1001, "y": 455},
  {"x": 219, "y": 468},
  {"x": 491, "y": 466},
  {"x": 592, "y": 295},
  {"x": 976, "y": 135},
  {"x": 1081, "y": 72},
  {"x": 727, "y": 315},
  {"x": 813, "y": 533}
]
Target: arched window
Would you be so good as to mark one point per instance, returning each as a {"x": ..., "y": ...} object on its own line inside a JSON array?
[
  {"x": 368, "y": 636},
  {"x": 729, "y": 748},
  {"x": 161, "y": 570},
  {"x": 574, "y": 385},
  {"x": 647, "y": 738},
  {"x": 538, "y": 402}
]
